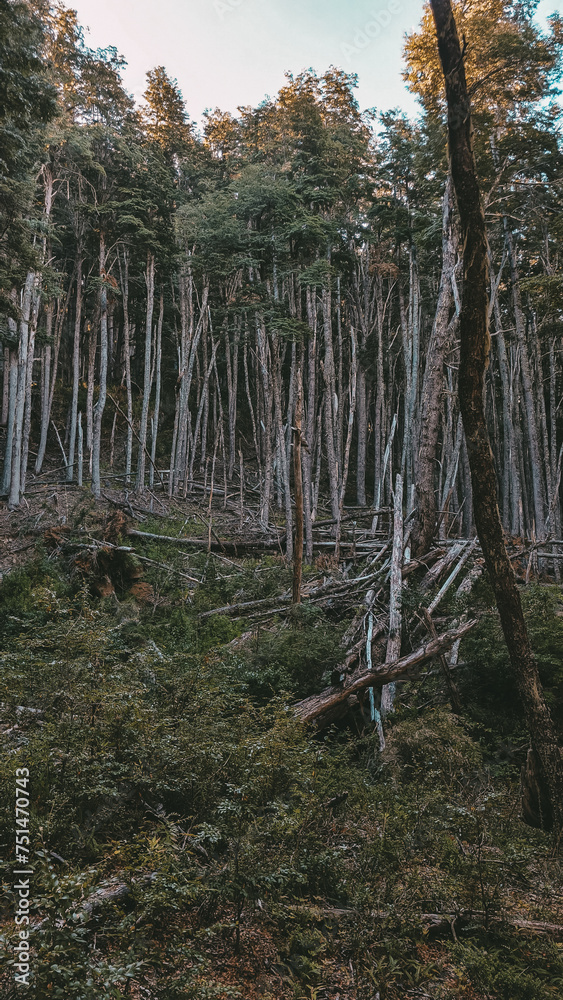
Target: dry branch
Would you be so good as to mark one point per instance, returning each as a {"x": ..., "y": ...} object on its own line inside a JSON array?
[
  {"x": 231, "y": 548},
  {"x": 317, "y": 705}
]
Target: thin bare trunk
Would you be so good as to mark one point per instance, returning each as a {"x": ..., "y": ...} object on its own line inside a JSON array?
[
  {"x": 11, "y": 415},
  {"x": 98, "y": 411},
  {"x": 158, "y": 380},
  {"x": 298, "y": 479},
  {"x": 75, "y": 369},
  {"x": 147, "y": 379},
  {"x": 23, "y": 348},
  {"x": 331, "y": 404},
  {"x": 395, "y": 600},
  {"x": 35, "y": 305}
]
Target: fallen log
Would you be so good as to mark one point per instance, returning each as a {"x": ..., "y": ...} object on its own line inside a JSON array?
[
  {"x": 317, "y": 705},
  {"x": 330, "y": 589},
  {"x": 233, "y": 609},
  {"x": 438, "y": 923},
  {"x": 229, "y": 548}
]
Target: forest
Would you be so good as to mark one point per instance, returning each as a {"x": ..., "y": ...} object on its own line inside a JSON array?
[{"x": 281, "y": 705}]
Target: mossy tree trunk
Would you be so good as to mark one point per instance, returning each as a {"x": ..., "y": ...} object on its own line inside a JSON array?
[{"x": 474, "y": 337}]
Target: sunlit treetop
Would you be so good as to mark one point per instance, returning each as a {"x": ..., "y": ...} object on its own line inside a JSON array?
[
  {"x": 510, "y": 64},
  {"x": 88, "y": 81},
  {"x": 163, "y": 115}
]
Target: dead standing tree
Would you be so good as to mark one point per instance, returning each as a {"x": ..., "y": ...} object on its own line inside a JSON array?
[{"x": 474, "y": 338}]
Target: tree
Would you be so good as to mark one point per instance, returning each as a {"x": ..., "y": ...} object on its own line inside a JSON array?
[
  {"x": 511, "y": 66},
  {"x": 164, "y": 116},
  {"x": 27, "y": 104},
  {"x": 474, "y": 351}
]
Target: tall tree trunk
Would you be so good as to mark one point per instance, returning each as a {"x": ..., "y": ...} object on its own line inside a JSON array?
[
  {"x": 5, "y": 386},
  {"x": 266, "y": 379},
  {"x": 98, "y": 412},
  {"x": 536, "y": 465},
  {"x": 308, "y": 451},
  {"x": 11, "y": 414},
  {"x": 396, "y": 592},
  {"x": 190, "y": 337},
  {"x": 430, "y": 407},
  {"x": 75, "y": 369},
  {"x": 298, "y": 478},
  {"x": 250, "y": 405},
  {"x": 232, "y": 389},
  {"x": 158, "y": 380},
  {"x": 362, "y": 437},
  {"x": 147, "y": 379},
  {"x": 555, "y": 512},
  {"x": 203, "y": 405},
  {"x": 351, "y": 417},
  {"x": 330, "y": 405},
  {"x": 474, "y": 336},
  {"x": 283, "y": 463},
  {"x": 92, "y": 350},
  {"x": 124, "y": 278},
  {"x": 23, "y": 348},
  {"x": 379, "y": 424},
  {"x": 411, "y": 349},
  {"x": 45, "y": 387},
  {"x": 35, "y": 306}
]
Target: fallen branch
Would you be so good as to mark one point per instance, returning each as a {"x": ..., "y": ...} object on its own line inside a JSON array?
[
  {"x": 453, "y": 576},
  {"x": 442, "y": 565},
  {"x": 233, "y": 609},
  {"x": 316, "y": 705},
  {"x": 230, "y": 548},
  {"x": 439, "y": 922}
]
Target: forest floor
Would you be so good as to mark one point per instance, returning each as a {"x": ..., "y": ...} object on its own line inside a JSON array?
[{"x": 190, "y": 837}]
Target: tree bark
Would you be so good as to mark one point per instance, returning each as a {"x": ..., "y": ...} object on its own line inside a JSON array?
[
  {"x": 18, "y": 425},
  {"x": 147, "y": 380},
  {"x": 10, "y": 415},
  {"x": 98, "y": 411},
  {"x": 396, "y": 592},
  {"x": 432, "y": 387},
  {"x": 75, "y": 369},
  {"x": 35, "y": 306},
  {"x": 330, "y": 403},
  {"x": 536, "y": 465},
  {"x": 158, "y": 381},
  {"x": 474, "y": 336},
  {"x": 124, "y": 276},
  {"x": 298, "y": 480}
]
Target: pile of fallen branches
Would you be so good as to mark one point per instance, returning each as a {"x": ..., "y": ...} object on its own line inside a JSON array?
[
  {"x": 374, "y": 659},
  {"x": 369, "y": 580}
]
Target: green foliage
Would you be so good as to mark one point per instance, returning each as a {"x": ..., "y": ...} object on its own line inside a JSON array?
[
  {"x": 486, "y": 678},
  {"x": 499, "y": 968},
  {"x": 172, "y": 767},
  {"x": 26, "y": 105},
  {"x": 437, "y": 748},
  {"x": 295, "y": 658},
  {"x": 27, "y": 595}
]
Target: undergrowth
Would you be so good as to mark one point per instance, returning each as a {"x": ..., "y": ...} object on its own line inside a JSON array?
[{"x": 189, "y": 838}]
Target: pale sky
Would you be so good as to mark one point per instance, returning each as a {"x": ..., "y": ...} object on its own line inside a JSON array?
[{"x": 226, "y": 53}]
